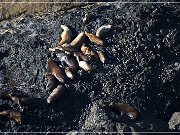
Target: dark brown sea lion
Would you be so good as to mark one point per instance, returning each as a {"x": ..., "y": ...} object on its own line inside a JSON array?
[
  {"x": 81, "y": 56},
  {"x": 52, "y": 82},
  {"x": 56, "y": 94},
  {"x": 125, "y": 108},
  {"x": 67, "y": 59},
  {"x": 23, "y": 101},
  {"x": 57, "y": 71}
]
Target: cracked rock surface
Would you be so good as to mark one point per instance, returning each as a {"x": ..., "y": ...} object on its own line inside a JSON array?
[
  {"x": 143, "y": 69},
  {"x": 174, "y": 122}
]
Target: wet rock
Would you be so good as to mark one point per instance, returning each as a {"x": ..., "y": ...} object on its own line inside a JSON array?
[{"x": 174, "y": 122}]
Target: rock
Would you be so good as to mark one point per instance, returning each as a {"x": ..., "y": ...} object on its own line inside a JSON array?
[
  {"x": 16, "y": 8},
  {"x": 143, "y": 67},
  {"x": 174, "y": 122},
  {"x": 100, "y": 118}
]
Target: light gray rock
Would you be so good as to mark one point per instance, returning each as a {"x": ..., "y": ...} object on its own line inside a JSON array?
[{"x": 174, "y": 122}]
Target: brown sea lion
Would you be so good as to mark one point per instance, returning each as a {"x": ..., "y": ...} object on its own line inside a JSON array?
[
  {"x": 94, "y": 39},
  {"x": 75, "y": 45},
  {"x": 81, "y": 56},
  {"x": 79, "y": 40},
  {"x": 56, "y": 94},
  {"x": 131, "y": 111},
  {"x": 23, "y": 101},
  {"x": 67, "y": 59},
  {"x": 52, "y": 82},
  {"x": 66, "y": 35},
  {"x": 57, "y": 71},
  {"x": 101, "y": 56},
  {"x": 12, "y": 115}
]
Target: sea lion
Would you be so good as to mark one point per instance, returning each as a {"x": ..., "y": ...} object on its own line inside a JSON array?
[
  {"x": 69, "y": 73},
  {"x": 67, "y": 59},
  {"x": 86, "y": 18},
  {"x": 102, "y": 30},
  {"x": 75, "y": 45},
  {"x": 91, "y": 53},
  {"x": 84, "y": 65},
  {"x": 84, "y": 48},
  {"x": 52, "y": 82},
  {"x": 12, "y": 115},
  {"x": 66, "y": 35},
  {"x": 80, "y": 55},
  {"x": 94, "y": 39},
  {"x": 67, "y": 47},
  {"x": 101, "y": 56},
  {"x": 57, "y": 71},
  {"x": 125, "y": 108},
  {"x": 23, "y": 101},
  {"x": 79, "y": 40},
  {"x": 56, "y": 94}
]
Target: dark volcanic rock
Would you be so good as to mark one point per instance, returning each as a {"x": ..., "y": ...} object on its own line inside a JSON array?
[
  {"x": 99, "y": 118},
  {"x": 143, "y": 68}
]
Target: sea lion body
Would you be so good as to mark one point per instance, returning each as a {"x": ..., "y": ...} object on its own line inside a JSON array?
[
  {"x": 87, "y": 51},
  {"x": 68, "y": 47},
  {"x": 93, "y": 56},
  {"x": 68, "y": 59},
  {"x": 79, "y": 40},
  {"x": 69, "y": 73},
  {"x": 23, "y": 101},
  {"x": 66, "y": 35},
  {"x": 52, "y": 82},
  {"x": 101, "y": 56},
  {"x": 57, "y": 71},
  {"x": 12, "y": 114},
  {"x": 125, "y": 108},
  {"x": 84, "y": 65},
  {"x": 102, "y": 30},
  {"x": 86, "y": 18},
  {"x": 94, "y": 39},
  {"x": 56, "y": 94},
  {"x": 84, "y": 48},
  {"x": 81, "y": 55}
]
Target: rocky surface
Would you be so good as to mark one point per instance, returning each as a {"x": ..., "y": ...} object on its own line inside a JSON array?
[
  {"x": 174, "y": 122},
  {"x": 11, "y": 9},
  {"x": 143, "y": 69}
]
